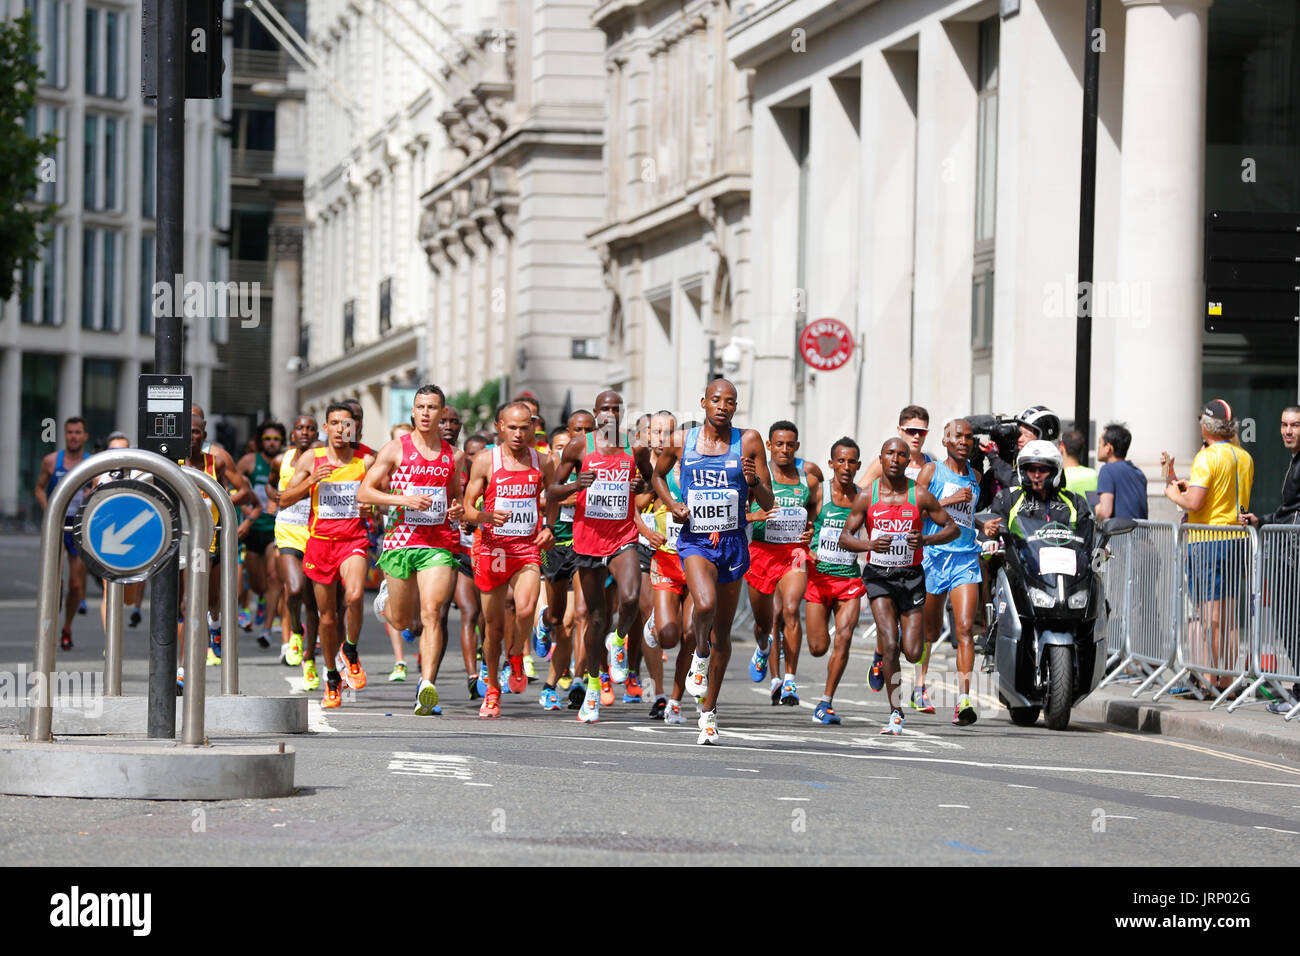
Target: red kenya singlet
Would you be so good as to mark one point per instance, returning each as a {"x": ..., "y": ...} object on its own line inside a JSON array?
[
  {"x": 896, "y": 521},
  {"x": 517, "y": 492},
  {"x": 602, "y": 522},
  {"x": 417, "y": 475}
]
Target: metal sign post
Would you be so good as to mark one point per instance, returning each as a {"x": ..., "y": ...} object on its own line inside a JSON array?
[
  {"x": 110, "y": 542},
  {"x": 228, "y": 524}
]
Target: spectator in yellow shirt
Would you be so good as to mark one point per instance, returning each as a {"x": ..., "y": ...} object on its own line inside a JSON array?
[{"x": 1215, "y": 493}]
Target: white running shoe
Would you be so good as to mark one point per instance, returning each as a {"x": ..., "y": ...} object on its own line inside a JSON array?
[
  {"x": 426, "y": 699},
  {"x": 895, "y": 726},
  {"x": 708, "y": 728},
  {"x": 617, "y": 649},
  {"x": 697, "y": 678},
  {"x": 649, "y": 631},
  {"x": 589, "y": 712},
  {"x": 673, "y": 715},
  {"x": 380, "y": 602}
]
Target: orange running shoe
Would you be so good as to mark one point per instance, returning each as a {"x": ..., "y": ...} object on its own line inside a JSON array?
[
  {"x": 354, "y": 673},
  {"x": 518, "y": 680},
  {"x": 606, "y": 690},
  {"x": 491, "y": 703},
  {"x": 333, "y": 696}
]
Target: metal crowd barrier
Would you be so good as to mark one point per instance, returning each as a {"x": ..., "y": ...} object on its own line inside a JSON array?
[
  {"x": 1275, "y": 656},
  {"x": 1216, "y": 570},
  {"x": 1142, "y": 590}
]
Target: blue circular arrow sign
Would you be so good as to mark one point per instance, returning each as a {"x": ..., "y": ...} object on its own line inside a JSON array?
[{"x": 125, "y": 532}]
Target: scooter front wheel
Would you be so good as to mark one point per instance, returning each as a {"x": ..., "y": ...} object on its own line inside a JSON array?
[{"x": 1060, "y": 691}]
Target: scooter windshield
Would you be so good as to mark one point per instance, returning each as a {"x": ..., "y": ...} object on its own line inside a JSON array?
[{"x": 1050, "y": 549}]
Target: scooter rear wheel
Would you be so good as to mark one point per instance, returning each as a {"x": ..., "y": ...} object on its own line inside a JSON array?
[{"x": 1023, "y": 716}]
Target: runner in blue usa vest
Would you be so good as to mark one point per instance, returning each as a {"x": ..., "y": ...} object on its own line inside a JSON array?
[{"x": 722, "y": 469}]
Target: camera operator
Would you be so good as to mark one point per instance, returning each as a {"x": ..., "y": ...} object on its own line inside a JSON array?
[{"x": 1006, "y": 437}]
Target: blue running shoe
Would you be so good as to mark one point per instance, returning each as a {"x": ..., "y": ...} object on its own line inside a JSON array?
[
  {"x": 789, "y": 693},
  {"x": 758, "y": 666},
  {"x": 482, "y": 686},
  {"x": 260, "y": 617},
  {"x": 214, "y": 641},
  {"x": 245, "y": 620},
  {"x": 505, "y": 680},
  {"x": 824, "y": 714},
  {"x": 877, "y": 677},
  {"x": 407, "y": 635},
  {"x": 542, "y": 636},
  {"x": 549, "y": 699}
]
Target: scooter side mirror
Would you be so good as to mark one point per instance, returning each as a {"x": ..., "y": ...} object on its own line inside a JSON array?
[{"x": 1113, "y": 526}]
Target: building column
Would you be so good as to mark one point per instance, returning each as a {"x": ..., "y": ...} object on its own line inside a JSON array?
[
  {"x": 11, "y": 401},
  {"x": 128, "y": 383},
  {"x": 69, "y": 389},
  {"x": 285, "y": 310},
  {"x": 1162, "y": 198}
]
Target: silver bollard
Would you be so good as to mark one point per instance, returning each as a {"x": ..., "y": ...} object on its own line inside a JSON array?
[
  {"x": 47, "y": 599},
  {"x": 113, "y": 592},
  {"x": 228, "y": 528}
]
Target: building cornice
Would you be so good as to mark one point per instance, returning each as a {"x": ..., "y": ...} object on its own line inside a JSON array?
[
  {"x": 369, "y": 363},
  {"x": 765, "y": 33},
  {"x": 720, "y": 190}
]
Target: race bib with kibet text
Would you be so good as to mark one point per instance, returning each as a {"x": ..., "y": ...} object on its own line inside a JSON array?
[{"x": 713, "y": 509}]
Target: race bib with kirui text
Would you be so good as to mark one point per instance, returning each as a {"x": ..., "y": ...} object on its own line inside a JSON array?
[
  {"x": 963, "y": 513},
  {"x": 713, "y": 509},
  {"x": 785, "y": 525},
  {"x": 828, "y": 547},
  {"x": 337, "y": 500},
  {"x": 296, "y": 514},
  {"x": 898, "y": 555},
  {"x": 608, "y": 500},
  {"x": 437, "y": 512},
  {"x": 523, "y": 517}
]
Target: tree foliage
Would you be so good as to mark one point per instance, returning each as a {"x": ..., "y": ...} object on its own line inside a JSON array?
[
  {"x": 26, "y": 161},
  {"x": 477, "y": 408}
]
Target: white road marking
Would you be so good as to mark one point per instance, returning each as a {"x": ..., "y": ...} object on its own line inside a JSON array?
[
  {"x": 316, "y": 719},
  {"x": 1021, "y": 786},
  {"x": 953, "y": 806},
  {"x": 1114, "y": 816},
  {"x": 1163, "y": 796},
  {"x": 599, "y": 763},
  {"x": 901, "y": 758},
  {"x": 475, "y": 783},
  {"x": 1275, "y": 830},
  {"x": 796, "y": 799},
  {"x": 743, "y": 770},
  {"x": 409, "y": 764}
]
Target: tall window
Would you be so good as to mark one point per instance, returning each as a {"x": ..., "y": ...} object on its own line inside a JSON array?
[
  {"x": 148, "y": 177},
  {"x": 50, "y": 18},
  {"x": 99, "y": 395},
  {"x": 43, "y": 280},
  {"x": 103, "y": 155},
  {"x": 106, "y": 52},
  {"x": 101, "y": 281},
  {"x": 146, "y": 284},
  {"x": 986, "y": 170}
]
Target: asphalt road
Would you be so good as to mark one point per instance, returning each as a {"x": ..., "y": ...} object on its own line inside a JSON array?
[{"x": 377, "y": 785}]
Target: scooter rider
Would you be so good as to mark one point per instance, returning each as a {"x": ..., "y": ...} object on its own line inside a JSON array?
[{"x": 1040, "y": 497}]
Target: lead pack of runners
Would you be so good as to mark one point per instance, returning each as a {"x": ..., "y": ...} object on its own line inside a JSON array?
[{"x": 598, "y": 548}]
